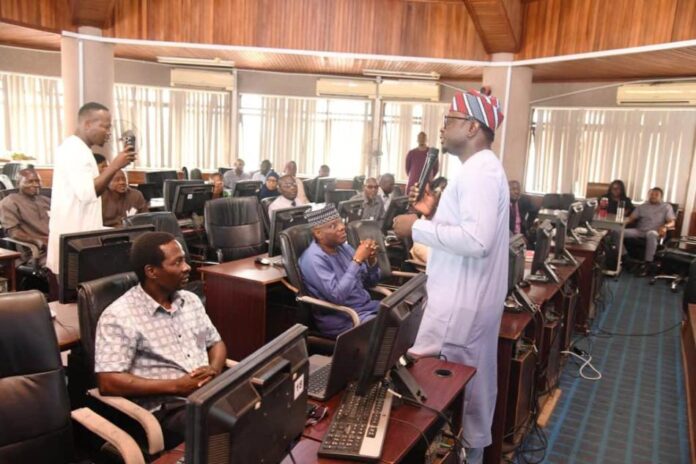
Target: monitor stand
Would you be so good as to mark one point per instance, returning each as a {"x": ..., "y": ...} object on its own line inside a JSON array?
[
  {"x": 590, "y": 230},
  {"x": 548, "y": 275},
  {"x": 523, "y": 300},
  {"x": 564, "y": 259},
  {"x": 573, "y": 237},
  {"x": 405, "y": 384}
]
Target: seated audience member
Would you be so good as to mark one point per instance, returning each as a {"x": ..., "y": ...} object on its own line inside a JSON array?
[
  {"x": 333, "y": 271},
  {"x": 101, "y": 162},
  {"x": 24, "y": 215},
  {"x": 291, "y": 170},
  {"x": 616, "y": 194},
  {"x": 270, "y": 187},
  {"x": 155, "y": 344},
  {"x": 522, "y": 213},
  {"x": 236, "y": 174},
  {"x": 120, "y": 201},
  {"x": 324, "y": 171},
  {"x": 218, "y": 185},
  {"x": 288, "y": 195},
  {"x": 387, "y": 190},
  {"x": 265, "y": 170},
  {"x": 373, "y": 208},
  {"x": 651, "y": 219}
]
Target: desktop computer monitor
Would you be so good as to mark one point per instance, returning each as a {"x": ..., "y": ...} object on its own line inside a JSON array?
[
  {"x": 351, "y": 210},
  {"x": 190, "y": 198},
  {"x": 541, "y": 270},
  {"x": 587, "y": 215},
  {"x": 169, "y": 191},
  {"x": 398, "y": 205},
  {"x": 281, "y": 219},
  {"x": 516, "y": 261},
  {"x": 575, "y": 211},
  {"x": 86, "y": 256},
  {"x": 256, "y": 410},
  {"x": 246, "y": 188},
  {"x": 560, "y": 254},
  {"x": 323, "y": 184},
  {"x": 396, "y": 326},
  {"x": 157, "y": 178}
]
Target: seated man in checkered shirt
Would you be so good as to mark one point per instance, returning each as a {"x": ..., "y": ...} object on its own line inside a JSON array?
[{"x": 155, "y": 344}]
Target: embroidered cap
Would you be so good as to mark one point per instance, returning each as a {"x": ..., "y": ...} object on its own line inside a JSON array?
[
  {"x": 322, "y": 216},
  {"x": 485, "y": 109}
]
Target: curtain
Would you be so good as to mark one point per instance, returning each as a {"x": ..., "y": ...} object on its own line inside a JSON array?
[
  {"x": 31, "y": 115},
  {"x": 401, "y": 124},
  {"x": 176, "y": 127},
  {"x": 310, "y": 131},
  {"x": 570, "y": 147}
]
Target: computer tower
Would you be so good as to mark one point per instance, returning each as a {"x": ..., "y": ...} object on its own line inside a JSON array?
[
  {"x": 549, "y": 373},
  {"x": 520, "y": 399}
]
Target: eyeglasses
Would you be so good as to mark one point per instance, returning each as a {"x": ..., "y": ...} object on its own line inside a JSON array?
[
  {"x": 371, "y": 187},
  {"x": 447, "y": 119}
]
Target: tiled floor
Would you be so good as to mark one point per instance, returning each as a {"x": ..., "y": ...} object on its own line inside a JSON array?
[{"x": 636, "y": 413}]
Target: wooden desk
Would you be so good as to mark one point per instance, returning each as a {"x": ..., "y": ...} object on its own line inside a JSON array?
[
  {"x": 7, "y": 259},
  {"x": 442, "y": 392},
  {"x": 66, "y": 323},
  {"x": 237, "y": 301},
  {"x": 588, "y": 279}
]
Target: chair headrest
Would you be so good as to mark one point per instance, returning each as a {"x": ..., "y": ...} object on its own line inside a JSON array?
[{"x": 293, "y": 242}]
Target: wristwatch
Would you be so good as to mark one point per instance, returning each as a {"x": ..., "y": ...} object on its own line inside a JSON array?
[{"x": 359, "y": 263}]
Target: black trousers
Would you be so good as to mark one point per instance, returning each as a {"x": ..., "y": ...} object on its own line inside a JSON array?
[{"x": 172, "y": 419}]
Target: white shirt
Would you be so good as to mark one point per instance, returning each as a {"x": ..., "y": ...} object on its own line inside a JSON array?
[
  {"x": 259, "y": 176},
  {"x": 75, "y": 206},
  {"x": 281, "y": 203},
  {"x": 386, "y": 200}
]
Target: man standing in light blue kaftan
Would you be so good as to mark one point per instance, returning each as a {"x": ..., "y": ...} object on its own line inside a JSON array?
[{"x": 467, "y": 269}]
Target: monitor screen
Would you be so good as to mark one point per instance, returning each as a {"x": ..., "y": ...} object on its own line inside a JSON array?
[
  {"x": 338, "y": 195},
  {"x": 191, "y": 198},
  {"x": 256, "y": 410},
  {"x": 575, "y": 211},
  {"x": 351, "y": 210},
  {"x": 150, "y": 190},
  {"x": 559, "y": 240},
  {"x": 86, "y": 256},
  {"x": 169, "y": 191},
  {"x": 246, "y": 188},
  {"x": 281, "y": 219},
  {"x": 516, "y": 263},
  {"x": 157, "y": 178},
  {"x": 588, "y": 212},
  {"x": 398, "y": 205},
  {"x": 323, "y": 184},
  {"x": 395, "y": 330},
  {"x": 542, "y": 247}
]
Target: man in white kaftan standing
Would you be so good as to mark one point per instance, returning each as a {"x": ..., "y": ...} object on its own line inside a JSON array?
[{"x": 467, "y": 232}]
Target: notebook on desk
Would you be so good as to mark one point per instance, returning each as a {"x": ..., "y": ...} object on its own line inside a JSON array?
[{"x": 330, "y": 374}]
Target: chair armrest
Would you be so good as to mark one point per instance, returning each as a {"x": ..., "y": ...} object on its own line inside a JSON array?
[
  {"x": 294, "y": 290},
  {"x": 230, "y": 363},
  {"x": 381, "y": 290},
  {"x": 35, "y": 252},
  {"x": 325, "y": 304},
  {"x": 404, "y": 274},
  {"x": 204, "y": 263},
  {"x": 153, "y": 430},
  {"x": 124, "y": 443}
]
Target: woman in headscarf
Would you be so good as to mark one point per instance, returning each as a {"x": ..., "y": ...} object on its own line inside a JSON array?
[{"x": 270, "y": 187}]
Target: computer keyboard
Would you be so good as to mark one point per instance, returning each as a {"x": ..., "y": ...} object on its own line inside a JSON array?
[
  {"x": 276, "y": 260},
  {"x": 318, "y": 380},
  {"x": 359, "y": 427}
]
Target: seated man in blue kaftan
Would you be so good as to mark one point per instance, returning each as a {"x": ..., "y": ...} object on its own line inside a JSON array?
[{"x": 333, "y": 271}]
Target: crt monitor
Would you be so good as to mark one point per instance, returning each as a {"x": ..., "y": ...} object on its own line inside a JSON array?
[
  {"x": 255, "y": 411},
  {"x": 396, "y": 326},
  {"x": 190, "y": 198},
  {"x": 246, "y": 188},
  {"x": 281, "y": 219},
  {"x": 157, "y": 178},
  {"x": 541, "y": 270},
  {"x": 86, "y": 256},
  {"x": 398, "y": 205},
  {"x": 351, "y": 210},
  {"x": 169, "y": 191},
  {"x": 516, "y": 261},
  {"x": 323, "y": 184}
]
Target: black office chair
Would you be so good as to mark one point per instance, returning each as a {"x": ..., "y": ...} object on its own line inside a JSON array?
[
  {"x": 37, "y": 426},
  {"x": 222, "y": 171},
  {"x": 690, "y": 288},
  {"x": 196, "y": 174},
  {"x": 185, "y": 172},
  {"x": 235, "y": 228},
  {"x": 310, "y": 188},
  {"x": 635, "y": 247},
  {"x": 364, "y": 230},
  {"x": 334, "y": 197},
  {"x": 5, "y": 182},
  {"x": 46, "y": 191},
  {"x": 358, "y": 183},
  {"x": 551, "y": 201},
  {"x": 7, "y": 192},
  {"x": 265, "y": 203},
  {"x": 566, "y": 199},
  {"x": 293, "y": 242},
  {"x": 675, "y": 259},
  {"x": 11, "y": 170}
]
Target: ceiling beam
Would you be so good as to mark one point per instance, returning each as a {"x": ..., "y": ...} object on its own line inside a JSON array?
[
  {"x": 96, "y": 13},
  {"x": 498, "y": 23}
]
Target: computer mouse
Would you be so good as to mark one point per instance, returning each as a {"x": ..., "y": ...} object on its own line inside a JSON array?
[{"x": 523, "y": 284}]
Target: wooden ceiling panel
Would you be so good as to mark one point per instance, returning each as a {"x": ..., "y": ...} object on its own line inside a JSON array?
[
  {"x": 498, "y": 22},
  {"x": 53, "y": 15},
  {"x": 11, "y": 34},
  {"x": 96, "y": 13}
]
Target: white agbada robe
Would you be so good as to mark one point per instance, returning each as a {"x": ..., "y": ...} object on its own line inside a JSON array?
[
  {"x": 75, "y": 206},
  {"x": 467, "y": 282}
]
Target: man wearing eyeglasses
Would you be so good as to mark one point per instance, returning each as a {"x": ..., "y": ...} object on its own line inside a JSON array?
[
  {"x": 467, "y": 232},
  {"x": 373, "y": 208},
  {"x": 287, "y": 185}
]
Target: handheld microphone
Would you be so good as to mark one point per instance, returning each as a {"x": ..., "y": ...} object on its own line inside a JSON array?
[{"x": 427, "y": 169}]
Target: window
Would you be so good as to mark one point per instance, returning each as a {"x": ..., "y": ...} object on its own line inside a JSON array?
[
  {"x": 31, "y": 115},
  {"x": 176, "y": 127},
  {"x": 644, "y": 147},
  {"x": 310, "y": 131}
]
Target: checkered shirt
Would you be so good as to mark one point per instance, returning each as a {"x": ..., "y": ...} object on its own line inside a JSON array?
[{"x": 137, "y": 335}]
